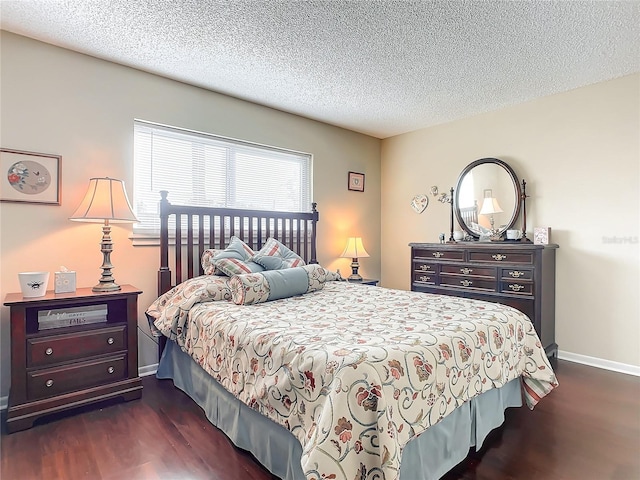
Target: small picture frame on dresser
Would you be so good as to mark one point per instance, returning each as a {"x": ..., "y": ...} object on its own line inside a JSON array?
[{"x": 542, "y": 235}]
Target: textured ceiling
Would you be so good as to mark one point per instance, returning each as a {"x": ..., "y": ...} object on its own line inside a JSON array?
[{"x": 377, "y": 67}]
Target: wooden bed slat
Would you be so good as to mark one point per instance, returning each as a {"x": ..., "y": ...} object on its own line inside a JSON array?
[{"x": 296, "y": 230}]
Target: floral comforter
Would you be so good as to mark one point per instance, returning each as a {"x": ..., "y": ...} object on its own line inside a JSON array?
[{"x": 355, "y": 372}]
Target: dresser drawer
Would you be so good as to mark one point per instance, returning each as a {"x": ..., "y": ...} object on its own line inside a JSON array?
[
  {"x": 468, "y": 283},
  {"x": 470, "y": 271},
  {"x": 421, "y": 277},
  {"x": 438, "y": 254},
  {"x": 425, "y": 267},
  {"x": 522, "y": 288},
  {"x": 56, "y": 381},
  {"x": 516, "y": 274},
  {"x": 52, "y": 349},
  {"x": 501, "y": 256}
]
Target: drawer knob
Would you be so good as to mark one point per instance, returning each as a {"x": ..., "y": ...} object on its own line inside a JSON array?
[
  {"x": 110, "y": 340},
  {"x": 466, "y": 283},
  {"x": 438, "y": 254},
  {"x": 48, "y": 351},
  {"x": 498, "y": 256},
  {"x": 111, "y": 369},
  {"x": 516, "y": 274},
  {"x": 424, "y": 267},
  {"x": 49, "y": 383},
  {"x": 466, "y": 271},
  {"x": 424, "y": 278},
  {"x": 515, "y": 287}
]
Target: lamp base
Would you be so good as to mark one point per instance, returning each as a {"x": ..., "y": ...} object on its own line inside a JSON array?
[
  {"x": 106, "y": 287},
  {"x": 355, "y": 278}
]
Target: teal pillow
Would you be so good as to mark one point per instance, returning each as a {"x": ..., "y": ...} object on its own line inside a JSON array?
[
  {"x": 276, "y": 256},
  {"x": 247, "y": 289},
  {"x": 236, "y": 259}
]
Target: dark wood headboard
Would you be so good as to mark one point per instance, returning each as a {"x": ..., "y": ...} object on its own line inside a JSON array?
[{"x": 199, "y": 228}]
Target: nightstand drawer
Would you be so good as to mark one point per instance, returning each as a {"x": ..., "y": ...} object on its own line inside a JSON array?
[
  {"x": 53, "y": 349},
  {"x": 60, "y": 380}
]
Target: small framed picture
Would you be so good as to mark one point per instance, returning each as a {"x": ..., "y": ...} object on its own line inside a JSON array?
[
  {"x": 542, "y": 235},
  {"x": 356, "y": 182},
  {"x": 28, "y": 177}
]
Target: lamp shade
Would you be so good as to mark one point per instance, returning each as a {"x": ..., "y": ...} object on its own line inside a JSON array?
[
  {"x": 490, "y": 205},
  {"x": 354, "y": 248},
  {"x": 106, "y": 199}
]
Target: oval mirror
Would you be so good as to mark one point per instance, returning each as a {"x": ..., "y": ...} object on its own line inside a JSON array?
[{"x": 487, "y": 197}]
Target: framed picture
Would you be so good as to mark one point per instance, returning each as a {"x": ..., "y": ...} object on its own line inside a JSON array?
[
  {"x": 28, "y": 177},
  {"x": 542, "y": 235},
  {"x": 356, "y": 182}
]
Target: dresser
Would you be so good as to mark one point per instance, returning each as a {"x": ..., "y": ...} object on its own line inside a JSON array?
[
  {"x": 71, "y": 349},
  {"x": 521, "y": 275}
]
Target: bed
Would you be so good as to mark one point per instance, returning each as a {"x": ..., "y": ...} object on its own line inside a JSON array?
[{"x": 339, "y": 381}]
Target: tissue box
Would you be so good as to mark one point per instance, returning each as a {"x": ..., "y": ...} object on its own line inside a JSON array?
[{"x": 65, "y": 282}]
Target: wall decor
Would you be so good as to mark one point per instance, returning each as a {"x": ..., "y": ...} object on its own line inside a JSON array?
[
  {"x": 434, "y": 190},
  {"x": 356, "y": 182},
  {"x": 419, "y": 203},
  {"x": 542, "y": 235},
  {"x": 29, "y": 177}
]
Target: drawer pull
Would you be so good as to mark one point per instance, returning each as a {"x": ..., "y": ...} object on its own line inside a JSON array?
[
  {"x": 49, "y": 383},
  {"x": 111, "y": 369},
  {"x": 515, "y": 287},
  {"x": 110, "y": 340},
  {"x": 48, "y": 351},
  {"x": 438, "y": 254},
  {"x": 424, "y": 268},
  {"x": 466, "y": 271},
  {"x": 466, "y": 283},
  {"x": 498, "y": 256},
  {"x": 424, "y": 278},
  {"x": 516, "y": 274}
]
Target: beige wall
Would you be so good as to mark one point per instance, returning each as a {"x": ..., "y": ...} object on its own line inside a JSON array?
[
  {"x": 580, "y": 154},
  {"x": 57, "y": 101}
]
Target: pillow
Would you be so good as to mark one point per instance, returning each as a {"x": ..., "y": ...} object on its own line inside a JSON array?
[
  {"x": 275, "y": 256},
  {"x": 236, "y": 259},
  {"x": 169, "y": 311},
  {"x": 248, "y": 289},
  {"x": 233, "y": 266},
  {"x": 207, "y": 260}
]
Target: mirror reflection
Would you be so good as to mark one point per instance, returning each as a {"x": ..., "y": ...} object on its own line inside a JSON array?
[{"x": 487, "y": 198}]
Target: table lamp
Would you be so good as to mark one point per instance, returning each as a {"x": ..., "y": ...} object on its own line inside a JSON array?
[
  {"x": 490, "y": 207},
  {"x": 105, "y": 201},
  {"x": 353, "y": 250}
]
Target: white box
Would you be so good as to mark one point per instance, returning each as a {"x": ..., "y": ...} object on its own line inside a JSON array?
[{"x": 65, "y": 282}]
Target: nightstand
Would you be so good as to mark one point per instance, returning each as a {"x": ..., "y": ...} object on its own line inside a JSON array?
[
  {"x": 365, "y": 281},
  {"x": 70, "y": 350}
]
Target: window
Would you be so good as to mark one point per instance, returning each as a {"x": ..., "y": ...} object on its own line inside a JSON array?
[{"x": 207, "y": 170}]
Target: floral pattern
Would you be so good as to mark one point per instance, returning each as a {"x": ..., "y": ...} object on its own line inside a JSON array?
[{"x": 356, "y": 372}]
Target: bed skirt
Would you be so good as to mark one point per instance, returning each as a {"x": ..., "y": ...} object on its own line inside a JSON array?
[{"x": 427, "y": 457}]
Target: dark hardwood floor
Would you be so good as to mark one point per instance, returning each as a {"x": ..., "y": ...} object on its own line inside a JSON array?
[{"x": 588, "y": 428}]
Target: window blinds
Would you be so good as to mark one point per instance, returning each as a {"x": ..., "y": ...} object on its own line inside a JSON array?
[{"x": 208, "y": 170}]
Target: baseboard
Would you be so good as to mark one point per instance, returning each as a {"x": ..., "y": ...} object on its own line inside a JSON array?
[
  {"x": 599, "y": 363},
  {"x": 148, "y": 370}
]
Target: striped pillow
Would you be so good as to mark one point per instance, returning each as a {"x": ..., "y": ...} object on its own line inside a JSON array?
[{"x": 275, "y": 256}]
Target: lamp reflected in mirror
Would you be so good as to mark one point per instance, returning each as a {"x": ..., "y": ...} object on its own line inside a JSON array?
[{"x": 491, "y": 207}]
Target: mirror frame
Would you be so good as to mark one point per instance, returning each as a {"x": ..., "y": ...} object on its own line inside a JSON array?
[{"x": 516, "y": 187}]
